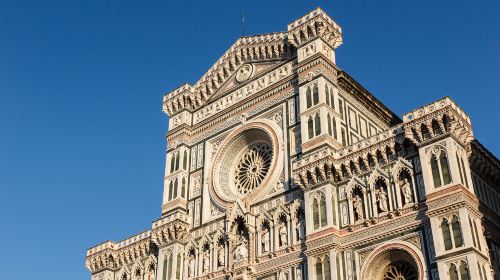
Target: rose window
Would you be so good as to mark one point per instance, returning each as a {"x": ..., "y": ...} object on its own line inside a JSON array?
[
  {"x": 400, "y": 271},
  {"x": 252, "y": 168}
]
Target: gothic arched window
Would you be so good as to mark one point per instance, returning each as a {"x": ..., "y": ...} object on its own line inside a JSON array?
[
  {"x": 445, "y": 229},
  {"x": 440, "y": 169},
  {"x": 178, "y": 272},
  {"x": 170, "y": 190},
  {"x": 464, "y": 271},
  {"x": 170, "y": 261},
  {"x": 445, "y": 170},
  {"x": 332, "y": 104},
  {"x": 308, "y": 98},
  {"x": 176, "y": 185},
  {"x": 183, "y": 188},
  {"x": 172, "y": 163},
  {"x": 315, "y": 95},
  {"x": 334, "y": 212},
  {"x": 319, "y": 269},
  {"x": 452, "y": 271},
  {"x": 317, "y": 124},
  {"x": 334, "y": 128},
  {"x": 457, "y": 233},
  {"x": 435, "y": 171},
  {"x": 329, "y": 120},
  {"x": 184, "y": 160},
  {"x": 315, "y": 214},
  {"x": 322, "y": 210},
  {"x": 327, "y": 95},
  {"x": 310, "y": 128},
  {"x": 326, "y": 268},
  {"x": 177, "y": 159}
]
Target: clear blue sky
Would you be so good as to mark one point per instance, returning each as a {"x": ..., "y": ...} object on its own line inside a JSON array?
[{"x": 82, "y": 148}]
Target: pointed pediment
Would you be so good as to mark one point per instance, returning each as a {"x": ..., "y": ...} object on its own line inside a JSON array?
[
  {"x": 256, "y": 50},
  {"x": 245, "y": 73}
]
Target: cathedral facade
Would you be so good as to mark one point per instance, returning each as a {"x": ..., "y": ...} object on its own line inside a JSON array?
[{"x": 280, "y": 165}]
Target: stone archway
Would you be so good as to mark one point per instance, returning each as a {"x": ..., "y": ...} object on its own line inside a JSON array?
[{"x": 397, "y": 260}]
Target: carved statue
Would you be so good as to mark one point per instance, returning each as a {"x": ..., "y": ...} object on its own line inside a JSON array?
[
  {"x": 283, "y": 276},
  {"x": 298, "y": 274},
  {"x": 206, "y": 262},
  {"x": 265, "y": 241},
  {"x": 241, "y": 252},
  {"x": 191, "y": 267},
  {"x": 220, "y": 255},
  {"x": 382, "y": 199},
  {"x": 407, "y": 193},
  {"x": 357, "y": 203},
  {"x": 283, "y": 234}
]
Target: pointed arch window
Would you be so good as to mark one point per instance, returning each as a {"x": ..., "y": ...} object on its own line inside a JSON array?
[
  {"x": 457, "y": 232},
  {"x": 440, "y": 168},
  {"x": 326, "y": 268},
  {"x": 172, "y": 163},
  {"x": 452, "y": 271},
  {"x": 315, "y": 95},
  {"x": 327, "y": 95},
  {"x": 334, "y": 210},
  {"x": 322, "y": 208},
  {"x": 329, "y": 120},
  {"x": 464, "y": 271},
  {"x": 316, "y": 214},
  {"x": 183, "y": 188},
  {"x": 317, "y": 124},
  {"x": 319, "y": 269},
  {"x": 332, "y": 104},
  {"x": 177, "y": 159},
  {"x": 334, "y": 128},
  {"x": 170, "y": 190},
  {"x": 176, "y": 185},
  {"x": 445, "y": 229},
  {"x": 310, "y": 128},
  {"x": 179, "y": 267},
  {"x": 184, "y": 160},
  {"x": 308, "y": 98},
  {"x": 165, "y": 269}
]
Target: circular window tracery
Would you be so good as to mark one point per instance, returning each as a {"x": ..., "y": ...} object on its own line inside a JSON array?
[
  {"x": 400, "y": 271},
  {"x": 252, "y": 168},
  {"x": 246, "y": 161}
]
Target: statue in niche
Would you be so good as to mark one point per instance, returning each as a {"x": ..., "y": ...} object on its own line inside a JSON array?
[
  {"x": 206, "y": 262},
  {"x": 265, "y": 241},
  {"x": 241, "y": 251},
  {"x": 407, "y": 193},
  {"x": 220, "y": 255},
  {"x": 298, "y": 274},
  {"x": 191, "y": 266},
  {"x": 283, "y": 276},
  {"x": 299, "y": 229},
  {"x": 357, "y": 203},
  {"x": 382, "y": 199},
  {"x": 283, "y": 234}
]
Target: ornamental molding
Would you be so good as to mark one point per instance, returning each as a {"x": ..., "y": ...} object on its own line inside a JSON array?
[{"x": 257, "y": 147}]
